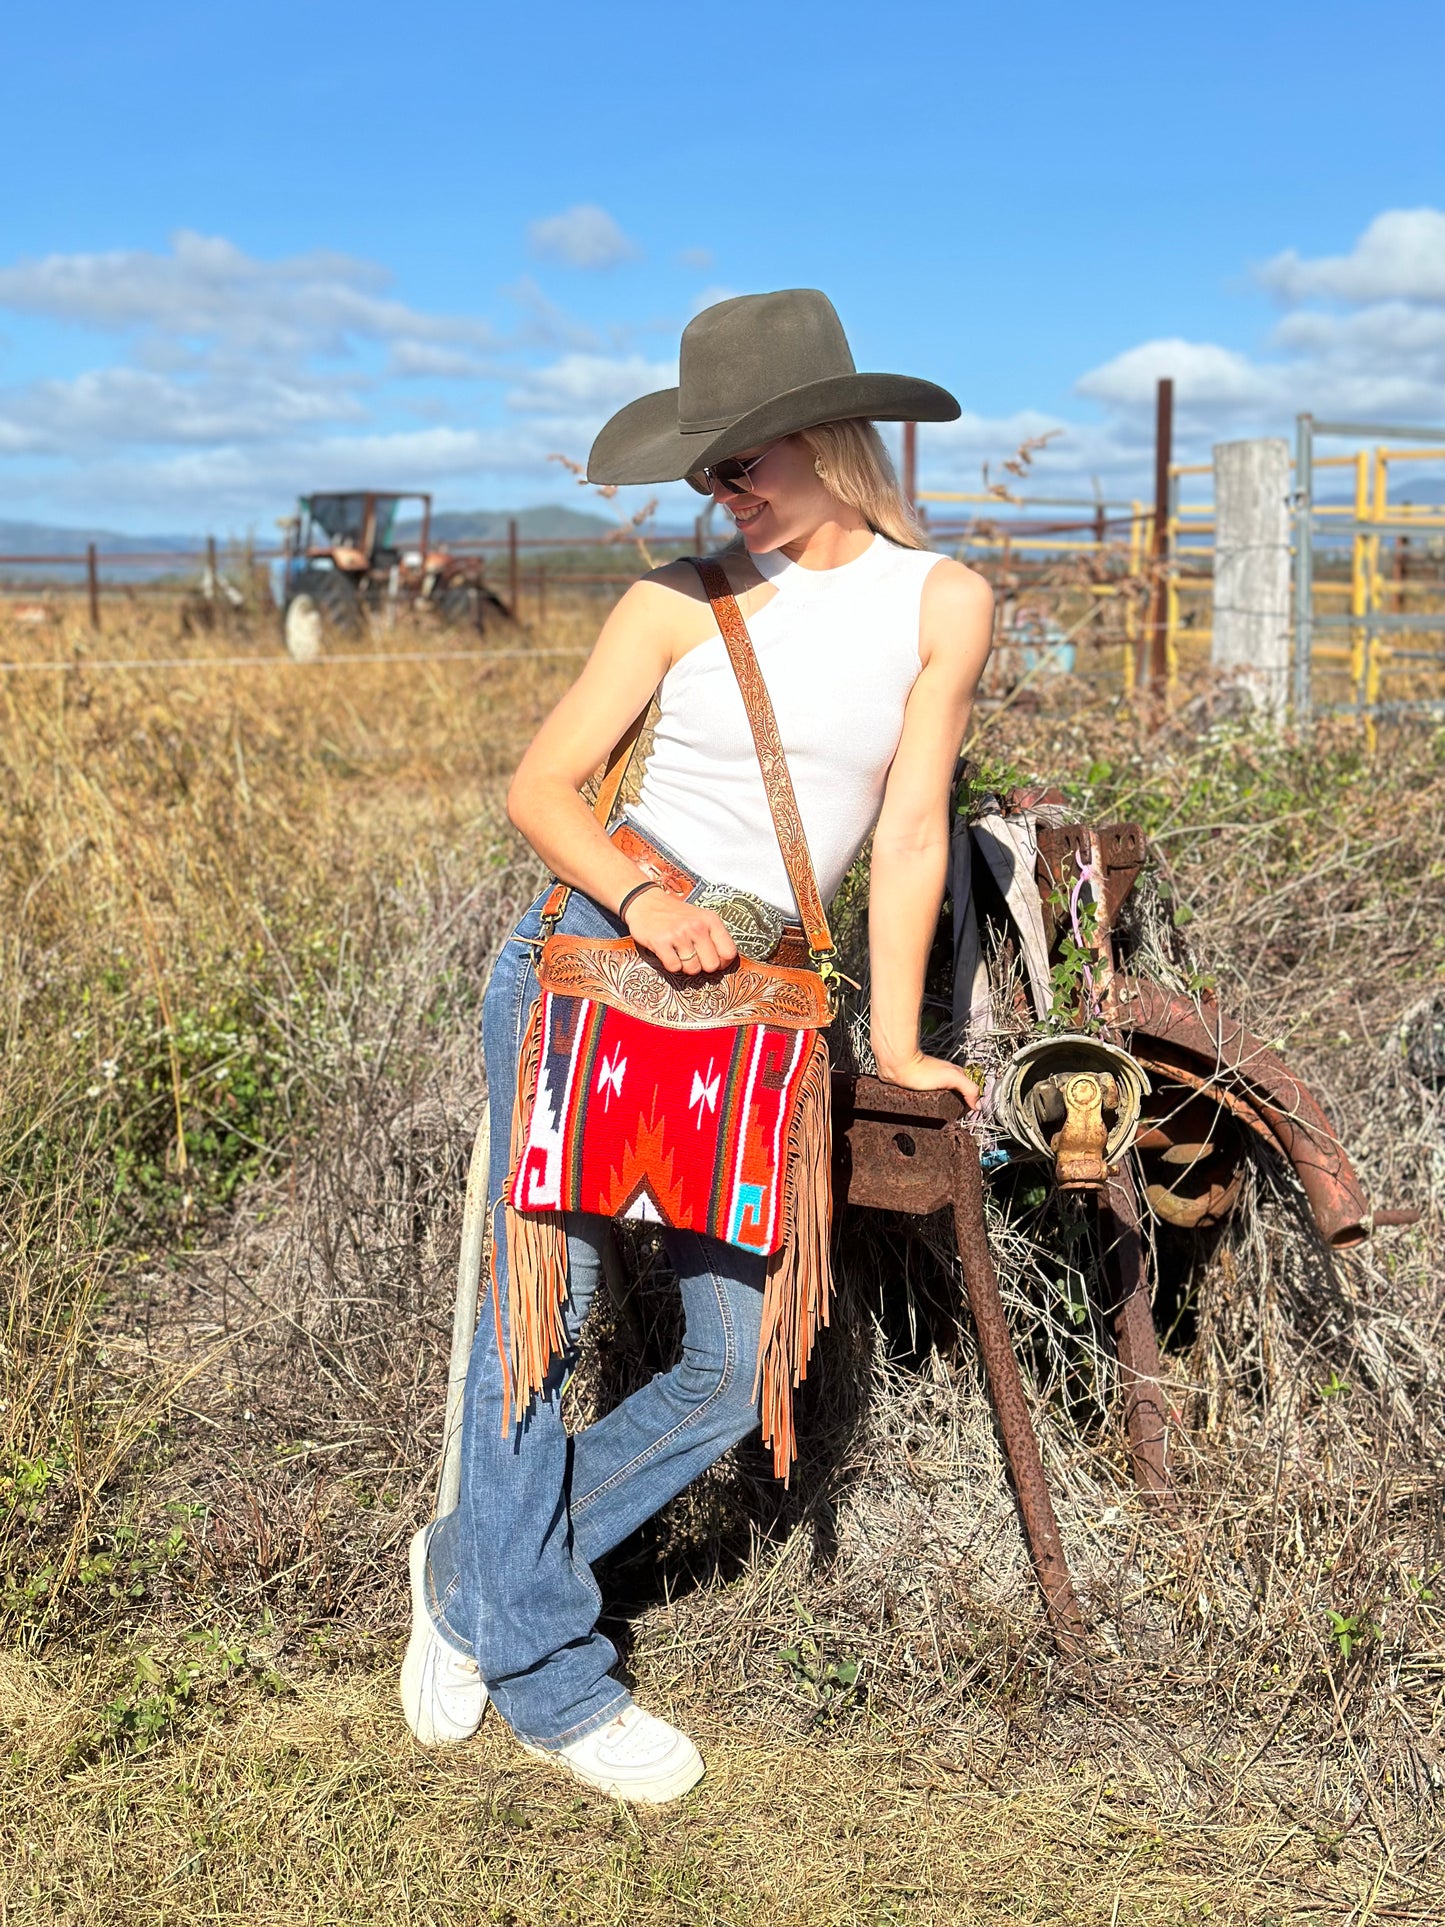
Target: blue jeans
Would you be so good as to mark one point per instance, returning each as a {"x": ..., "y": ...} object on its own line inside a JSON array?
[{"x": 510, "y": 1571}]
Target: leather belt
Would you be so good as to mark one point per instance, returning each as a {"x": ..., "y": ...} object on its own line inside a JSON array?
[{"x": 748, "y": 918}]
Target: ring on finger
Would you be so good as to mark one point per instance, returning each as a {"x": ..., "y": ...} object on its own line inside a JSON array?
[{"x": 686, "y": 956}]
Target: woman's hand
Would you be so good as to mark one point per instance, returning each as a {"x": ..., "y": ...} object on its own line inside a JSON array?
[
  {"x": 920, "y": 1073},
  {"x": 681, "y": 935}
]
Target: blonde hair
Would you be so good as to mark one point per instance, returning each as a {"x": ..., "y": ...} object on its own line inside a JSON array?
[{"x": 853, "y": 465}]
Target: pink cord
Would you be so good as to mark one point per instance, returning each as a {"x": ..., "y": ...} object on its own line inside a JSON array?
[{"x": 1087, "y": 875}]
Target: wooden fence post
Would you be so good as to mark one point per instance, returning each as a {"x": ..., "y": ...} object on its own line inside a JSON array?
[{"x": 92, "y": 584}]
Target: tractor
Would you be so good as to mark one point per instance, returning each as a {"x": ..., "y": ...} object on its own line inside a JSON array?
[{"x": 344, "y": 560}]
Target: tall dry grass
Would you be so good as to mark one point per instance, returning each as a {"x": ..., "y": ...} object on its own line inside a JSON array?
[
  {"x": 247, "y": 916},
  {"x": 212, "y": 881}
]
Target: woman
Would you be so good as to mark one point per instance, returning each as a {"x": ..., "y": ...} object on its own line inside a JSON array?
[{"x": 871, "y": 648}]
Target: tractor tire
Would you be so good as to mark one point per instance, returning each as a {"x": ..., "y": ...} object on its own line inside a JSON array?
[
  {"x": 301, "y": 628},
  {"x": 466, "y": 605},
  {"x": 322, "y": 603}
]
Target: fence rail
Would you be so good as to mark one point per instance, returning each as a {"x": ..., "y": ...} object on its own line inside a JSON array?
[
  {"x": 172, "y": 571},
  {"x": 1368, "y": 588}
]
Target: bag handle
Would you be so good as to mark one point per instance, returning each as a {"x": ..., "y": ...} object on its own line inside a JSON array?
[{"x": 777, "y": 782}]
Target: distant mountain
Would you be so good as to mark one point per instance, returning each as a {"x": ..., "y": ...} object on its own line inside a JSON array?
[
  {"x": 547, "y": 524},
  {"x": 38, "y": 538}
]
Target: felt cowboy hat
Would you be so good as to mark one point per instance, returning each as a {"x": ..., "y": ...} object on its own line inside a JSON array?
[{"x": 752, "y": 370}]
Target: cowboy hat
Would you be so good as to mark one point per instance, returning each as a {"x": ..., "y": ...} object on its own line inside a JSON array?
[{"x": 754, "y": 369}]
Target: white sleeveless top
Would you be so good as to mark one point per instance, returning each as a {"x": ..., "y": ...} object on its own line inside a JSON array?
[{"x": 838, "y": 649}]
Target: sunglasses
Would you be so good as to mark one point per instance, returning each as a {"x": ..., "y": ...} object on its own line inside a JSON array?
[{"x": 732, "y": 475}]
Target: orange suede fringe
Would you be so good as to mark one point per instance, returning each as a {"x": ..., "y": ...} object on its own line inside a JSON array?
[
  {"x": 797, "y": 1290},
  {"x": 799, "y": 1286}
]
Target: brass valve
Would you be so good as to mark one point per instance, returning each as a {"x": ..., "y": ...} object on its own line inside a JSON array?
[
  {"x": 1080, "y": 1145},
  {"x": 1076, "y": 1101}
]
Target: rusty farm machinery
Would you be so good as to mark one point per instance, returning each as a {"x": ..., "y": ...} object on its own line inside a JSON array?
[
  {"x": 1108, "y": 1075},
  {"x": 347, "y": 558}
]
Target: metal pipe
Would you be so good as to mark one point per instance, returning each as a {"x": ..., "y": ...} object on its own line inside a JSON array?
[
  {"x": 1163, "y": 456},
  {"x": 1426, "y": 622},
  {"x": 1374, "y": 524},
  {"x": 1126, "y": 1258},
  {"x": 1225, "y": 1055},
  {"x": 1037, "y": 501},
  {"x": 1304, "y": 564},
  {"x": 1001, "y": 1371},
  {"x": 1376, "y": 432}
]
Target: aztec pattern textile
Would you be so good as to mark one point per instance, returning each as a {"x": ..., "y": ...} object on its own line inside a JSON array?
[{"x": 685, "y": 1128}]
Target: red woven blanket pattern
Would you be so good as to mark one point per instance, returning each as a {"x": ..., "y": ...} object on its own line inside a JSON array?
[{"x": 686, "y": 1128}]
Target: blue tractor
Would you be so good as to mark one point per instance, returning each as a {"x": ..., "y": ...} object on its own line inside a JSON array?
[{"x": 348, "y": 557}]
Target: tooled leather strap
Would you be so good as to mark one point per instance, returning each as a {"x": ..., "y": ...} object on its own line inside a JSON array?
[{"x": 778, "y": 784}]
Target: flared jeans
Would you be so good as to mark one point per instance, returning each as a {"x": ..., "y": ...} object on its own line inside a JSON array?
[{"x": 509, "y": 1573}]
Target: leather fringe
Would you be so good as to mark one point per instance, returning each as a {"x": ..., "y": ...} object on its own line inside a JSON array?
[
  {"x": 536, "y": 1260},
  {"x": 798, "y": 1289}
]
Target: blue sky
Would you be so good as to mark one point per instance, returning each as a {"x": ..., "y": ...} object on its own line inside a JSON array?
[{"x": 263, "y": 249}]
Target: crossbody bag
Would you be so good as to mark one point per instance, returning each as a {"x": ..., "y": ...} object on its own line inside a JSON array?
[{"x": 696, "y": 1102}]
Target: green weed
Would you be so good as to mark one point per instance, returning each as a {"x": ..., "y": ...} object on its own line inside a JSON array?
[{"x": 1350, "y": 1631}]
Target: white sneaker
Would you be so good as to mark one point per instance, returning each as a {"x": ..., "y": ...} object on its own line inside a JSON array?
[
  {"x": 634, "y": 1757},
  {"x": 442, "y": 1694}
]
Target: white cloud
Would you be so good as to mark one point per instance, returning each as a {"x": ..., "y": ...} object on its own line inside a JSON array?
[
  {"x": 229, "y": 485},
  {"x": 1210, "y": 376},
  {"x": 132, "y": 405},
  {"x": 590, "y": 385},
  {"x": 953, "y": 455},
  {"x": 1399, "y": 257},
  {"x": 700, "y": 260},
  {"x": 584, "y": 236},
  {"x": 207, "y": 288},
  {"x": 1361, "y": 338},
  {"x": 235, "y": 381},
  {"x": 544, "y": 324},
  {"x": 17, "y": 440},
  {"x": 230, "y": 382},
  {"x": 427, "y": 359}
]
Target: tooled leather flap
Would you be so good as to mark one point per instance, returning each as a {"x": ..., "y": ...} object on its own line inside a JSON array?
[{"x": 613, "y": 971}]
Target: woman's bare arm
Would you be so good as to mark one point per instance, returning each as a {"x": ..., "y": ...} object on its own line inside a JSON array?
[
  {"x": 910, "y": 844},
  {"x": 658, "y": 619}
]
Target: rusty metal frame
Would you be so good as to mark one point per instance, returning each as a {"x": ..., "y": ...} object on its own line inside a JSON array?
[
  {"x": 910, "y": 1151},
  {"x": 1200, "y": 1045}
]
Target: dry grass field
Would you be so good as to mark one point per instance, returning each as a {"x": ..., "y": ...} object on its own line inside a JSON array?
[{"x": 246, "y": 914}]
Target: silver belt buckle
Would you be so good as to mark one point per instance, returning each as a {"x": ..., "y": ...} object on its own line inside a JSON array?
[{"x": 755, "y": 927}]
